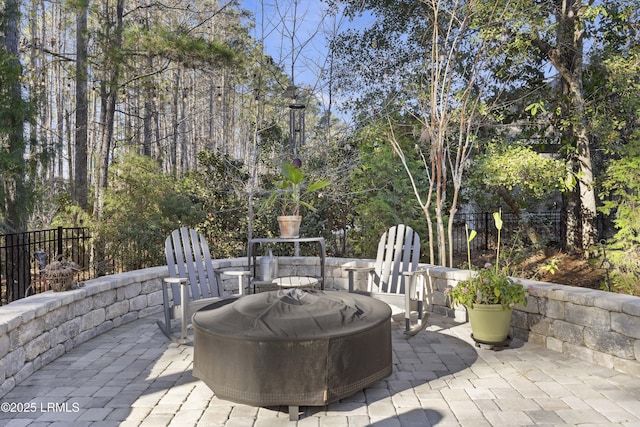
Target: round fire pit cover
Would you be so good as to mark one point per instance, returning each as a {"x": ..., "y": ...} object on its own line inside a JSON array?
[{"x": 292, "y": 347}]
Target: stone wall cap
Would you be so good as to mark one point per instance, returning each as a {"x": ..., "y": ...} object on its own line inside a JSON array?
[
  {"x": 631, "y": 305},
  {"x": 616, "y": 302}
]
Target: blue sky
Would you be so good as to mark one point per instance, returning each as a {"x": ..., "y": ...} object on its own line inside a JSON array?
[
  {"x": 277, "y": 26},
  {"x": 313, "y": 29}
]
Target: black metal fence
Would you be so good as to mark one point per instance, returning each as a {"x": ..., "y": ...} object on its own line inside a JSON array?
[
  {"x": 541, "y": 225},
  {"x": 23, "y": 257}
]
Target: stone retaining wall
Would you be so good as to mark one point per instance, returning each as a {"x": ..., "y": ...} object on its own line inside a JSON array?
[
  {"x": 600, "y": 327},
  {"x": 35, "y": 331}
]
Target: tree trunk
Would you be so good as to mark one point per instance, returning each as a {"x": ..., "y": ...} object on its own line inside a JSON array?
[
  {"x": 567, "y": 58},
  {"x": 147, "y": 116},
  {"x": 570, "y": 218},
  {"x": 174, "y": 152},
  {"x": 109, "y": 96},
  {"x": 587, "y": 193},
  {"x": 441, "y": 197},
  {"x": 11, "y": 129},
  {"x": 80, "y": 185},
  {"x": 12, "y": 143}
]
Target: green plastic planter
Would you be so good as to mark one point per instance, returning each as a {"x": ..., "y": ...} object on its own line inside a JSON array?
[{"x": 490, "y": 322}]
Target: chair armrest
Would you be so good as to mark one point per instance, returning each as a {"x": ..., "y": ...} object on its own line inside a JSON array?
[
  {"x": 411, "y": 273},
  {"x": 178, "y": 297},
  {"x": 356, "y": 269},
  {"x": 240, "y": 273},
  {"x": 169, "y": 282},
  {"x": 175, "y": 280},
  {"x": 417, "y": 283},
  {"x": 420, "y": 271},
  {"x": 184, "y": 282},
  {"x": 351, "y": 270}
]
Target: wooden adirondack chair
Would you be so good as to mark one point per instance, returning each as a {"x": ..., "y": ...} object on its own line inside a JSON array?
[
  {"x": 396, "y": 275},
  {"x": 192, "y": 279}
]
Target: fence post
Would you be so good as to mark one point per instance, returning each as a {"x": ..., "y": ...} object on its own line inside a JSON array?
[
  {"x": 18, "y": 271},
  {"x": 486, "y": 231},
  {"x": 60, "y": 242}
]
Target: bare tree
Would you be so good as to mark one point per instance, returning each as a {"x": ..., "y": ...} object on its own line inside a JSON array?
[
  {"x": 440, "y": 66},
  {"x": 80, "y": 182},
  {"x": 452, "y": 104},
  {"x": 109, "y": 87}
]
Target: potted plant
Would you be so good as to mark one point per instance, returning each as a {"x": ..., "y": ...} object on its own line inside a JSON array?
[
  {"x": 289, "y": 193},
  {"x": 489, "y": 296}
]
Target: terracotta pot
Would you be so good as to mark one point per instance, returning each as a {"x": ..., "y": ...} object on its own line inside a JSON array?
[
  {"x": 490, "y": 322},
  {"x": 289, "y": 226}
]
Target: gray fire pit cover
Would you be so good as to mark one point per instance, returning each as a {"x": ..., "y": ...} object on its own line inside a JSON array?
[{"x": 293, "y": 347}]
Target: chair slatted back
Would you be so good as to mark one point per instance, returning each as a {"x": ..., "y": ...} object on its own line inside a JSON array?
[
  {"x": 188, "y": 256},
  {"x": 398, "y": 252}
]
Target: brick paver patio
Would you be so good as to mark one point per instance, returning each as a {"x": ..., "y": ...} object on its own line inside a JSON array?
[{"x": 132, "y": 376}]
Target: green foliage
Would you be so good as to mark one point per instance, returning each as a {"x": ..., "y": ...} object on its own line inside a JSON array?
[
  {"x": 384, "y": 64},
  {"x": 217, "y": 188},
  {"x": 621, "y": 196},
  {"x": 535, "y": 107},
  {"x": 12, "y": 110},
  {"x": 292, "y": 189},
  {"x": 70, "y": 214},
  {"x": 470, "y": 237},
  {"x": 517, "y": 175},
  {"x": 271, "y": 137},
  {"x": 16, "y": 195},
  {"x": 142, "y": 206},
  {"x": 375, "y": 216},
  {"x": 551, "y": 266},
  {"x": 612, "y": 78},
  {"x": 531, "y": 235},
  {"x": 613, "y": 84},
  {"x": 625, "y": 276},
  {"x": 285, "y": 189},
  {"x": 388, "y": 63},
  {"x": 621, "y": 200},
  {"x": 178, "y": 45},
  {"x": 382, "y": 191},
  {"x": 334, "y": 211},
  {"x": 489, "y": 285}
]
